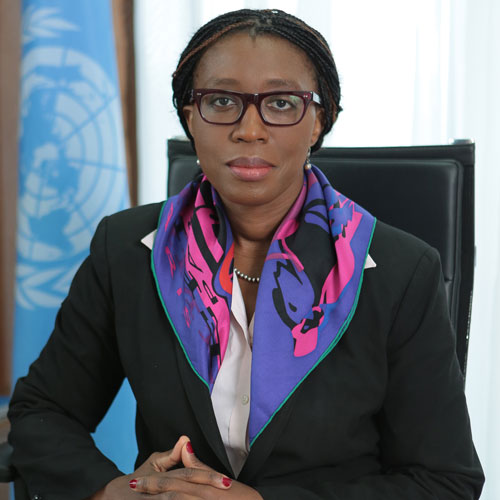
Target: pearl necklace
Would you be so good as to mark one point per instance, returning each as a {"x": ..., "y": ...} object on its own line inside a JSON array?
[{"x": 245, "y": 276}]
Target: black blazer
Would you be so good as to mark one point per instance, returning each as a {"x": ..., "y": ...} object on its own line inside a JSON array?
[{"x": 383, "y": 416}]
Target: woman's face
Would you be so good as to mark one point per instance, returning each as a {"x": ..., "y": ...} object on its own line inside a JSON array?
[{"x": 251, "y": 163}]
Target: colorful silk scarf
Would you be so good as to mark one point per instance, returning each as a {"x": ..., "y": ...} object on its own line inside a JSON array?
[{"x": 307, "y": 294}]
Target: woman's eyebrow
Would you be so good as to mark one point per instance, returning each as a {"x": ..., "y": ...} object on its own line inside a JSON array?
[
  {"x": 271, "y": 83},
  {"x": 220, "y": 82},
  {"x": 279, "y": 82}
]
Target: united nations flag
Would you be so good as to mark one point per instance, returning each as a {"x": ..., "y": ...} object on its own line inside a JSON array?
[{"x": 71, "y": 173}]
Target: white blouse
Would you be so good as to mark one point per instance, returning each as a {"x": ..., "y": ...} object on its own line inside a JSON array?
[{"x": 231, "y": 391}]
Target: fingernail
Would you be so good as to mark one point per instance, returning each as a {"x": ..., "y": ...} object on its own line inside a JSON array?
[
  {"x": 133, "y": 484},
  {"x": 226, "y": 481},
  {"x": 189, "y": 448}
]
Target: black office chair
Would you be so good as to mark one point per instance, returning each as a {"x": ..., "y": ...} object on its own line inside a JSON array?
[{"x": 425, "y": 190}]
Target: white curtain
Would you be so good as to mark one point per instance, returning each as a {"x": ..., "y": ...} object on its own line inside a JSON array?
[
  {"x": 412, "y": 72},
  {"x": 474, "y": 111}
]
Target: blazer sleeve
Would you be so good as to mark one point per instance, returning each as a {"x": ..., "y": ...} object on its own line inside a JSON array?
[
  {"x": 68, "y": 390},
  {"x": 426, "y": 449}
]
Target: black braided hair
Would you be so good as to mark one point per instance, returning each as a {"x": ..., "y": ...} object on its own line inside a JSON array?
[{"x": 256, "y": 22}]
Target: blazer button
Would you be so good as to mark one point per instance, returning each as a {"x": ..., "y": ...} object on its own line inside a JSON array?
[{"x": 37, "y": 497}]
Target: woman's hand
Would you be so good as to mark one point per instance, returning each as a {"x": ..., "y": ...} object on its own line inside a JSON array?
[
  {"x": 153, "y": 471},
  {"x": 195, "y": 481}
]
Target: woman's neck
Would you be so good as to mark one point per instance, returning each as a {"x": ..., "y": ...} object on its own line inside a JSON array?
[
  {"x": 252, "y": 232},
  {"x": 253, "y": 229},
  {"x": 255, "y": 225}
]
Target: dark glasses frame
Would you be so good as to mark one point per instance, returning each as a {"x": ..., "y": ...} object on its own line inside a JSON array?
[{"x": 307, "y": 96}]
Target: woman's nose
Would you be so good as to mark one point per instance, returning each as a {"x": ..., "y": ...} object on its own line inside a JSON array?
[{"x": 250, "y": 128}]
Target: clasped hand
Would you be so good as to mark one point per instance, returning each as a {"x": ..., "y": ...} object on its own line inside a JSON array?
[{"x": 194, "y": 481}]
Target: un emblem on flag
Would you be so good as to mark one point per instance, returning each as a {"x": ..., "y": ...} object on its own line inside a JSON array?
[{"x": 72, "y": 168}]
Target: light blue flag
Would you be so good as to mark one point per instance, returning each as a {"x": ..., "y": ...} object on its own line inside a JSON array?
[{"x": 72, "y": 172}]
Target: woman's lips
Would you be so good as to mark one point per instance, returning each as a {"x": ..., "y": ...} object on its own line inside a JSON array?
[{"x": 250, "y": 169}]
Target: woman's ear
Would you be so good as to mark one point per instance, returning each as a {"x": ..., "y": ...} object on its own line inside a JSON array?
[
  {"x": 188, "y": 112},
  {"x": 317, "y": 127}
]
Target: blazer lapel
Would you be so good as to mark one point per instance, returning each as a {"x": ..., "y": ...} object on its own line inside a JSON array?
[
  {"x": 199, "y": 397},
  {"x": 265, "y": 443}
]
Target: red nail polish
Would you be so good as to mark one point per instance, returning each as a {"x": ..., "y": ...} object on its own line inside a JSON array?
[
  {"x": 189, "y": 448},
  {"x": 226, "y": 481},
  {"x": 133, "y": 484}
]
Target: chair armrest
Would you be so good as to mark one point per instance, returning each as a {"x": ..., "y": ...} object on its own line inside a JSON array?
[{"x": 7, "y": 472}]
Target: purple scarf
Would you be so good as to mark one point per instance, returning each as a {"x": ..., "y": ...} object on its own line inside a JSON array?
[{"x": 307, "y": 295}]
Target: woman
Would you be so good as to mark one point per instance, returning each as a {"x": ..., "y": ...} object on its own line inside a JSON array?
[{"x": 283, "y": 344}]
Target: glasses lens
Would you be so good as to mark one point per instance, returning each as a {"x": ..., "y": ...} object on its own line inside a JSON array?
[
  {"x": 218, "y": 107},
  {"x": 282, "y": 109}
]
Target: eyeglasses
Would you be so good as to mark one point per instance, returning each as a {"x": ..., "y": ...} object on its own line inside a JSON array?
[{"x": 224, "y": 107}]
